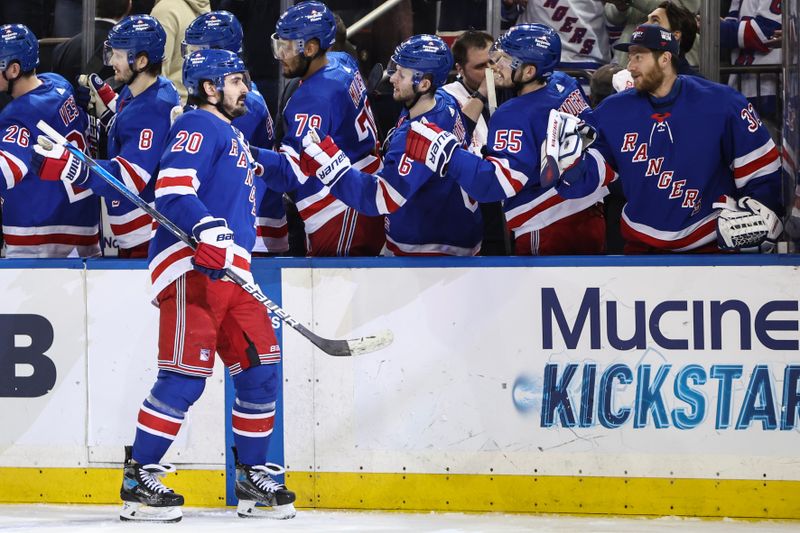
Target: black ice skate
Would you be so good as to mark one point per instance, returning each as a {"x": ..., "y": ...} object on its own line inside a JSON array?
[
  {"x": 145, "y": 497},
  {"x": 254, "y": 485}
]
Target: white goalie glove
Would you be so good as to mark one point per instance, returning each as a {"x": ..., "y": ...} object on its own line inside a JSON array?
[
  {"x": 567, "y": 138},
  {"x": 747, "y": 225}
]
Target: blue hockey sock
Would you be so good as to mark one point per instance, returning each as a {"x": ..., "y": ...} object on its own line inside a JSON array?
[
  {"x": 254, "y": 412},
  {"x": 162, "y": 413}
]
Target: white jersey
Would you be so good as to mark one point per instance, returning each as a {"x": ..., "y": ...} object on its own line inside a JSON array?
[
  {"x": 746, "y": 29},
  {"x": 460, "y": 93},
  {"x": 581, "y": 24}
]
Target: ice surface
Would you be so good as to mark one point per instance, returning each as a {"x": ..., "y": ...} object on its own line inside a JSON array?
[{"x": 81, "y": 518}]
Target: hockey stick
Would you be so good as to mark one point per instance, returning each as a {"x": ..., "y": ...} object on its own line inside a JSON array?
[
  {"x": 491, "y": 92},
  {"x": 333, "y": 347}
]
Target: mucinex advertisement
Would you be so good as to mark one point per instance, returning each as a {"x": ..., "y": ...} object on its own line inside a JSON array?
[{"x": 645, "y": 371}]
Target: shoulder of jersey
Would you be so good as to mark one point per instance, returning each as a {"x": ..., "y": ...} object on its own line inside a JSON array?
[
  {"x": 57, "y": 80},
  {"x": 618, "y": 101},
  {"x": 703, "y": 87},
  {"x": 341, "y": 68},
  {"x": 167, "y": 93},
  {"x": 197, "y": 120},
  {"x": 254, "y": 100},
  {"x": 54, "y": 91},
  {"x": 445, "y": 110}
]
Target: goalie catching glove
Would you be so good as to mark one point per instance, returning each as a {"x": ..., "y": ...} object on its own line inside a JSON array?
[
  {"x": 747, "y": 225},
  {"x": 53, "y": 162},
  {"x": 323, "y": 159},
  {"x": 97, "y": 98},
  {"x": 567, "y": 138},
  {"x": 214, "y": 252},
  {"x": 430, "y": 144}
]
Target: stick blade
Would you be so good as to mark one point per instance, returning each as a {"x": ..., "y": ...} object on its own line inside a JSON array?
[
  {"x": 347, "y": 348},
  {"x": 372, "y": 343}
]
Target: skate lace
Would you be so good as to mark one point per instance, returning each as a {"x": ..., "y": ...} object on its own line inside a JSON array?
[
  {"x": 151, "y": 476},
  {"x": 260, "y": 475}
]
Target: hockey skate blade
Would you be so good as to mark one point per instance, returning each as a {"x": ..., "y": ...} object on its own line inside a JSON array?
[
  {"x": 138, "y": 512},
  {"x": 248, "y": 509},
  {"x": 371, "y": 343}
]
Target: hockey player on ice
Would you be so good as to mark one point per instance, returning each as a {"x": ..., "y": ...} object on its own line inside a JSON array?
[
  {"x": 138, "y": 120},
  {"x": 41, "y": 217},
  {"x": 221, "y": 29},
  {"x": 427, "y": 214},
  {"x": 543, "y": 222},
  {"x": 206, "y": 187}
]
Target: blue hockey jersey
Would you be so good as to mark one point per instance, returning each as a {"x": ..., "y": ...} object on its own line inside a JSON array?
[
  {"x": 426, "y": 214},
  {"x": 510, "y": 169},
  {"x": 206, "y": 170},
  {"x": 44, "y": 218},
  {"x": 136, "y": 141},
  {"x": 272, "y": 230},
  {"x": 678, "y": 155},
  {"x": 333, "y": 101}
]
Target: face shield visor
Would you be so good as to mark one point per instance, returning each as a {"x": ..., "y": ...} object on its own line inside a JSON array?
[
  {"x": 283, "y": 49},
  {"x": 500, "y": 60},
  {"x": 187, "y": 48},
  {"x": 109, "y": 52},
  {"x": 404, "y": 72},
  {"x": 236, "y": 79}
]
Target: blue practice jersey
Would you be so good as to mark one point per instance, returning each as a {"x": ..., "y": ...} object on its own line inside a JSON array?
[
  {"x": 510, "y": 168},
  {"x": 427, "y": 214},
  {"x": 44, "y": 218},
  {"x": 334, "y": 102},
  {"x": 272, "y": 230},
  {"x": 206, "y": 170},
  {"x": 677, "y": 156},
  {"x": 136, "y": 141}
]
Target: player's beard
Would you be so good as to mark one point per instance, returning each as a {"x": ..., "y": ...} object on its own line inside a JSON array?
[
  {"x": 297, "y": 66},
  {"x": 649, "y": 82},
  {"x": 235, "y": 109}
]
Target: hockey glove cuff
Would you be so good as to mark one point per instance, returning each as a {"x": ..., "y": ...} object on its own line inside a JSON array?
[
  {"x": 324, "y": 160},
  {"x": 431, "y": 145},
  {"x": 53, "y": 162},
  {"x": 747, "y": 225},
  {"x": 214, "y": 252}
]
